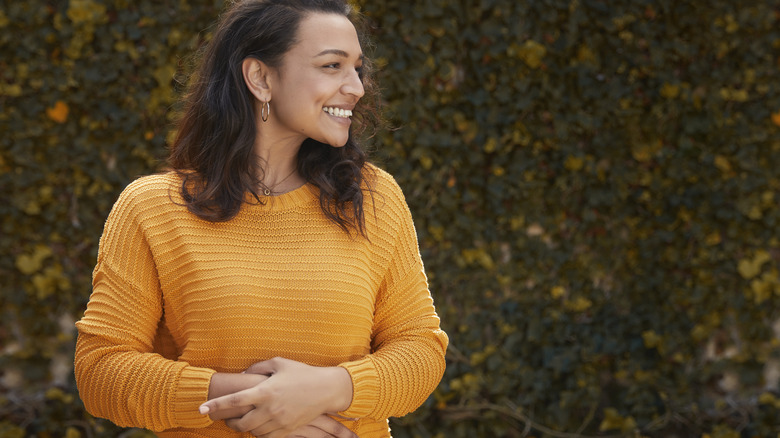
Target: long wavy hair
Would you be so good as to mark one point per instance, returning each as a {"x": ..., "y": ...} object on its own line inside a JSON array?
[{"x": 213, "y": 151}]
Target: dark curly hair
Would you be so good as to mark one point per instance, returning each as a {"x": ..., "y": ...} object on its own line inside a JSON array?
[{"x": 214, "y": 148}]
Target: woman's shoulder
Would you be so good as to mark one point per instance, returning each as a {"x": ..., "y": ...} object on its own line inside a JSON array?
[
  {"x": 153, "y": 183},
  {"x": 153, "y": 186},
  {"x": 152, "y": 192},
  {"x": 385, "y": 196},
  {"x": 381, "y": 181}
]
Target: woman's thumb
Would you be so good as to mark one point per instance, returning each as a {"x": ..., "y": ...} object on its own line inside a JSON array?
[{"x": 266, "y": 367}]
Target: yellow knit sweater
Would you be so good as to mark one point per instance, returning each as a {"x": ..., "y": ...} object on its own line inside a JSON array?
[{"x": 176, "y": 299}]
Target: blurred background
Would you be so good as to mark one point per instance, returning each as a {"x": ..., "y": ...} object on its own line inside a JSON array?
[{"x": 595, "y": 186}]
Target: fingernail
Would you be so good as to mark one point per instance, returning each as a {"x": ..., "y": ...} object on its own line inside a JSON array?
[{"x": 203, "y": 409}]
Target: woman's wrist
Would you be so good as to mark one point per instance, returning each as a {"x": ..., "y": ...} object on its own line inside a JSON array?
[{"x": 341, "y": 382}]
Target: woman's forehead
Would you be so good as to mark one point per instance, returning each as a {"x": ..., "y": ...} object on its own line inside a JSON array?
[{"x": 333, "y": 34}]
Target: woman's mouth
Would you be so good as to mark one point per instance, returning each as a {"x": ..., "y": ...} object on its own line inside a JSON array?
[{"x": 338, "y": 112}]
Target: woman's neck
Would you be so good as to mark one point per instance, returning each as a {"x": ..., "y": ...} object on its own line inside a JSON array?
[{"x": 278, "y": 161}]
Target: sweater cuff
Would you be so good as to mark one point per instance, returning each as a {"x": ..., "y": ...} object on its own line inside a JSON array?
[
  {"x": 193, "y": 390},
  {"x": 365, "y": 388}
]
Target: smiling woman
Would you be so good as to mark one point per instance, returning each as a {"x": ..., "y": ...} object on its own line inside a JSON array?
[
  {"x": 254, "y": 288},
  {"x": 316, "y": 83}
]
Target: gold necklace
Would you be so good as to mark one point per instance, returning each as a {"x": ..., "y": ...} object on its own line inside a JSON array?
[{"x": 268, "y": 190}]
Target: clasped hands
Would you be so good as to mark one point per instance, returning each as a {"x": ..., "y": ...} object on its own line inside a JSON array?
[{"x": 280, "y": 398}]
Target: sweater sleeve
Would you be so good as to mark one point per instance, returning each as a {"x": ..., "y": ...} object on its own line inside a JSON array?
[
  {"x": 408, "y": 346},
  {"x": 118, "y": 375}
]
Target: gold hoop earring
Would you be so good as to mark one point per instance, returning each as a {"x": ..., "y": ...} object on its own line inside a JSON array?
[{"x": 265, "y": 111}]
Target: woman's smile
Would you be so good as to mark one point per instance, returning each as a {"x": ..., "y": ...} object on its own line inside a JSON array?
[{"x": 338, "y": 112}]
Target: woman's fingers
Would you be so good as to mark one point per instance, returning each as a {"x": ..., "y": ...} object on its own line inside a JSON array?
[
  {"x": 224, "y": 414},
  {"x": 248, "y": 423},
  {"x": 328, "y": 426},
  {"x": 321, "y": 427},
  {"x": 310, "y": 432},
  {"x": 247, "y": 397}
]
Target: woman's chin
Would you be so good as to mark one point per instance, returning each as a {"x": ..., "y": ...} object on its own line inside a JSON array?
[{"x": 336, "y": 143}]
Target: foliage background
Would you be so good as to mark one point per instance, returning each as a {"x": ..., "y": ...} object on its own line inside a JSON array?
[{"x": 595, "y": 186}]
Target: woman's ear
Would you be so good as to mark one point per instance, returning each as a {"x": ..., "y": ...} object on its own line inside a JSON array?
[{"x": 256, "y": 77}]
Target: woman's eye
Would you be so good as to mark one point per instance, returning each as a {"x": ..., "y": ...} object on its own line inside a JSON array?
[{"x": 334, "y": 65}]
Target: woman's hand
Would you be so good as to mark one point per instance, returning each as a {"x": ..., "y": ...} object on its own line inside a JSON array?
[
  {"x": 323, "y": 427},
  {"x": 292, "y": 397}
]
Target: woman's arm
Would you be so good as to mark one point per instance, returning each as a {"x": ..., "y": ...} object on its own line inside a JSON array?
[
  {"x": 119, "y": 376},
  {"x": 408, "y": 345}
]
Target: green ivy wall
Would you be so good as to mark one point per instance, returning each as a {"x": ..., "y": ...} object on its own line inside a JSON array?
[{"x": 595, "y": 186}]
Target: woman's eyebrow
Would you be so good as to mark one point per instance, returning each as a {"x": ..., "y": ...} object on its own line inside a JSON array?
[{"x": 337, "y": 52}]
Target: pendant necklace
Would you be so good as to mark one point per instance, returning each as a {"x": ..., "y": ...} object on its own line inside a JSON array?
[{"x": 268, "y": 190}]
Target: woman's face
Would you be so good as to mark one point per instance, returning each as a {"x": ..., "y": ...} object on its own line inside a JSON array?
[{"x": 318, "y": 83}]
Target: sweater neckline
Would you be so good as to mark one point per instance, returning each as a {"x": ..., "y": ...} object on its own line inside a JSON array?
[{"x": 286, "y": 201}]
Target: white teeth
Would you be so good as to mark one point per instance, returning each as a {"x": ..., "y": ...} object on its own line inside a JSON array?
[{"x": 338, "y": 112}]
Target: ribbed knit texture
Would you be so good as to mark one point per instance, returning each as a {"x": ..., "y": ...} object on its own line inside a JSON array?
[{"x": 176, "y": 299}]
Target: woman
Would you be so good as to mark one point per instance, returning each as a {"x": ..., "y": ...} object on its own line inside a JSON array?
[{"x": 272, "y": 279}]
